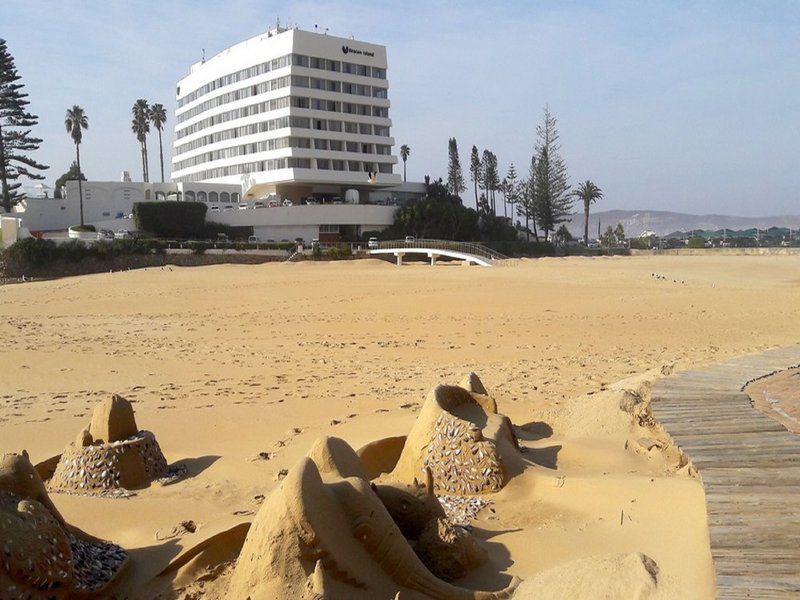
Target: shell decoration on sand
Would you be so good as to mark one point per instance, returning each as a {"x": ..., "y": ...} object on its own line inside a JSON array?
[
  {"x": 40, "y": 555},
  {"x": 112, "y": 454}
]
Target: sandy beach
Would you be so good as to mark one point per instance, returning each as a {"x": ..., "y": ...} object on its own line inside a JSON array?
[{"x": 238, "y": 369}]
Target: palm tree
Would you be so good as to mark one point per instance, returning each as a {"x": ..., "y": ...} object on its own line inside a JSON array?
[
  {"x": 588, "y": 192},
  {"x": 140, "y": 125},
  {"x": 405, "y": 151},
  {"x": 75, "y": 122},
  {"x": 158, "y": 116}
]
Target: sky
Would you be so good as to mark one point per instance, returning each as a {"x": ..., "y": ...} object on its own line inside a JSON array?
[{"x": 682, "y": 106}]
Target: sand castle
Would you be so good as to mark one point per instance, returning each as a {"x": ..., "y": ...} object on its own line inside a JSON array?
[
  {"x": 42, "y": 556},
  {"x": 326, "y": 533},
  {"x": 111, "y": 454},
  {"x": 459, "y": 435}
]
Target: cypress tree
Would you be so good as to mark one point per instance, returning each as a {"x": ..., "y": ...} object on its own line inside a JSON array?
[
  {"x": 15, "y": 133},
  {"x": 475, "y": 172}
]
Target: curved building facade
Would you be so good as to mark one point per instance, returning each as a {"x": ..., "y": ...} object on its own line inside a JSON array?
[{"x": 290, "y": 112}]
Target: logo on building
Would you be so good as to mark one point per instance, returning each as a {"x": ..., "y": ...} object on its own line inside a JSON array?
[{"x": 348, "y": 50}]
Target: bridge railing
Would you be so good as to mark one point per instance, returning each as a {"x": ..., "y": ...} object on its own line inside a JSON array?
[{"x": 471, "y": 248}]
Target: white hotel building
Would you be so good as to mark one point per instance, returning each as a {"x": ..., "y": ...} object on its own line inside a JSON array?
[{"x": 289, "y": 112}]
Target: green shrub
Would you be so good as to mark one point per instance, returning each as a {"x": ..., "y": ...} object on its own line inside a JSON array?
[
  {"x": 34, "y": 251},
  {"x": 697, "y": 242},
  {"x": 171, "y": 219},
  {"x": 340, "y": 251},
  {"x": 199, "y": 247},
  {"x": 84, "y": 228},
  {"x": 518, "y": 248}
]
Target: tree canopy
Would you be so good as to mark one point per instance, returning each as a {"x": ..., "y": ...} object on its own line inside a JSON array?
[{"x": 16, "y": 141}]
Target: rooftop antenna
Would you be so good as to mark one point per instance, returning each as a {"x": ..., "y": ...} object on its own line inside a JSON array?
[{"x": 204, "y": 54}]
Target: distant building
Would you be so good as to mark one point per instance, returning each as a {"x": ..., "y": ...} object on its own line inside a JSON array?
[{"x": 289, "y": 112}]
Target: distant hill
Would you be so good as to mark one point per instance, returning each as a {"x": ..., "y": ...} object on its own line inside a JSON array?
[{"x": 664, "y": 222}]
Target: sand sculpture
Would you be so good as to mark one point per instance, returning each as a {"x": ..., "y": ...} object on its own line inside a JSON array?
[
  {"x": 459, "y": 435},
  {"x": 41, "y": 556},
  {"x": 111, "y": 454},
  {"x": 326, "y": 533}
]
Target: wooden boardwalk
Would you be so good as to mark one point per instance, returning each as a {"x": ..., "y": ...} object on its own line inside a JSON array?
[{"x": 750, "y": 467}]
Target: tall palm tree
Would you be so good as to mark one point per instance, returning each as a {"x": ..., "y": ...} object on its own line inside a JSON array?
[
  {"x": 75, "y": 122},
  {"x": 158, "y": 116},
  {"x": 588, "y": 192},
  {"x": 140, "y": 125},
  {"x": 405, "y": 151}
]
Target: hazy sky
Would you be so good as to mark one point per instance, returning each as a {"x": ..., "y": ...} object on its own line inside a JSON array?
[{"x": 686, "y": 106}]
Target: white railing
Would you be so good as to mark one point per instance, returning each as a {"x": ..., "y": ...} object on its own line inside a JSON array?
[{"x": 471, "y": 248}]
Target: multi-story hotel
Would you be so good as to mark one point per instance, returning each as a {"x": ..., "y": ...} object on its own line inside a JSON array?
[{"x": 289, "y": 112}]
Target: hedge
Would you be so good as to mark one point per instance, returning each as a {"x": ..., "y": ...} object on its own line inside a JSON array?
[{"x": 171, "y": 219}]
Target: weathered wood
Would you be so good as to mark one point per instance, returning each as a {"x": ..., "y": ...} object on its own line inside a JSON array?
[{"x": 750, "y": 467}]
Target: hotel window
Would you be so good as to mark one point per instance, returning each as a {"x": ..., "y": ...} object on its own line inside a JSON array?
[
  {"x": 300, "y": 142},
  {"x": 189, "y": 196},
  {"x": 299, "y": 163},
  {"x": 353, "y": 165},
  {"x": 299, "y": 102},
  {"x": 318, "y": 84},
  {"x": 380, "y": 111},
  {"x": 352, "y": 146},
  {"x": 213, "y": 197},
  {"x": 329, "y": 229},
  {"x": 320, "y": 124},
  {"x": 382, "y": 131},
  {"x": 225, "y": 197},
  {"x": 302, "y": 122},
  {"x": 333, "y": 65},
  {"x": 349, "y": 108},
  {"x": 323, "y": 164},
  {"x": 320, "y": 144},
  {"x": 316, "y": 63},
  {"x": 334, "y": 86},
  {"x": 365, "y": 129},
  {"x": 362, "y": 70},
  {"x": 334, "y": 125},
  {"x": 384, "y": 167},
  {"x": 336, "y": 145},
  {"x": 299, "y": 81},
  {"x": 299, "y": 60},
  {"x": 202, "y": 197},
  {"x": 350, "y": 127},
  {"x": 378, "y": 73},
  {"x": 366, "y": 148},
  {"x": 363, "y": 110},
  {"x": 338, "y": 165},
  {"x": 348, "y": 68},
  {"x": 379, "y": 92}
]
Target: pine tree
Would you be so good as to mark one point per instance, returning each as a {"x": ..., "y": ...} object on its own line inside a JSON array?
[
  {"x": 552, "y": 198},
  {"x": 489, "y": 178},
  {"x": 15, "y": 129},
  {"x": 455, "y": 177},
  {"x": 526, "y": 201},
  {"x": 511, "y": 188},
  {"x": 475, "y": 172}
]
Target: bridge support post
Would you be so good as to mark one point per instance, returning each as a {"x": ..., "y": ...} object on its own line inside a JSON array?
[
  {"x": 399, "y": 256},
  {"x": 432, "y": 256}
]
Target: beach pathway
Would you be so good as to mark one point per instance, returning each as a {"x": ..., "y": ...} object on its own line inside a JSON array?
[{"x": 750, "y": 467}]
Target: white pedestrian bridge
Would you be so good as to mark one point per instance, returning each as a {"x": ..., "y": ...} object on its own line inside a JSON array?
[{"x": 469, "y": 252}]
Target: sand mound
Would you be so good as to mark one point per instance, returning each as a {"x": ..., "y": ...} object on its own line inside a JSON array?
[
  {"x": 630, "y": 576},
  {"x": 42, "y": 557},
  {"x": 325, "y": 533},
  {"x": 111, "y": 454},
  {"x": 459, "y": 435}
]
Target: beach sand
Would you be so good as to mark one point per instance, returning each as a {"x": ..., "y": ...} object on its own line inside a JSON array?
[{"x": 238, "y": 369}]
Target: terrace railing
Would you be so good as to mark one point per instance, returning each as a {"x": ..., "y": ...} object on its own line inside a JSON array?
[{"x": 471, "y": 248}]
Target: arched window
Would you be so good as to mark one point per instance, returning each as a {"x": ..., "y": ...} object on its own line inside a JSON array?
[
  {"x": 201, "y": 197},
  {"x": 189, "y": 196},
  {"x": 147, "y": 195},
  {"x": 235, "y": 197},
  {"x": 213, "y": 197},
  {"x": 225, "y": 197},
  {"x": 161, "y": 196}
]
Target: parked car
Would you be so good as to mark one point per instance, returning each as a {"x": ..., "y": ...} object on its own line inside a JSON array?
[
  {"x": 105, "y": 234},
  {"x": 253, "y": 239},
  {"x": 243, "y": 206},
  {"x": 259, "y": 204},
  {"x": 287, "y": 202},
  {"x": 273, "y": 204},
  {"x": 311, "y": 202},
  {"x": 227, "y": 208},
  {"x": 372, "y": 243},
  {"x": 410, "y": 239},
  {"x": 122, "y": 234},
  {"x": 214, "y": 209}
]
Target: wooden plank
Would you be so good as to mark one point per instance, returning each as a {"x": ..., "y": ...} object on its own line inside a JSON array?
[{"x": 750, "y": 468}]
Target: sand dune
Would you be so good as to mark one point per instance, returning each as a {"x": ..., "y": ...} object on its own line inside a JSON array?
[{"x": 238, "y": 369}]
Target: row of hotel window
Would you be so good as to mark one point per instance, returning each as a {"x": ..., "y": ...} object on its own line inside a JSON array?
[
  {"x": 190, "y": 196},
  {"x": 315, "y": 83},
  {"x": 363, "y": 110},
  {"x": 279, "y": 123},
  {"x": 299, "y": 60},
  {"x": 287, "y": 163},
  {"x": 286, "y": 142}
]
